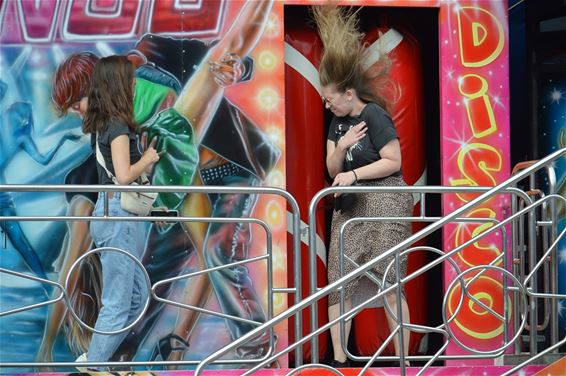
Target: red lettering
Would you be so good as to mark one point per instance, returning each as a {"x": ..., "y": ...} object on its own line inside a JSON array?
[
  {"x": 184, "y": 18},
  {"x": 101, "y": 19},
  {"x": 4, "y": 20},
  {"x": 30, "y": 21},
  {"x": 32, "y": 16},
  {"x": 24, "y": 21},
  {"x": 477, "y": 162},
  {"x": 481, "y": 36},
  {"x": 478, "y": 106}
]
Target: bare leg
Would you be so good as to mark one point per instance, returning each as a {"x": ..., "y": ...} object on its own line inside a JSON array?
[
  {"x": 333, "y": 313},
  {"x": 198, "y": 102},
  {"x": 198, "y": 289},
  {"x": 196, "y": 294},
  {"x": 79, "y": 242},
  {"x": 392, "y": 300}
]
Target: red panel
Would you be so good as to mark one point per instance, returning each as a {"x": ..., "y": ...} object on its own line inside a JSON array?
[
  {"x": 87, "y": 20},
  {"x": 370, "y": 326},
  {"x": 304, "y": 119},
  {"x": 170, "y": 17}
]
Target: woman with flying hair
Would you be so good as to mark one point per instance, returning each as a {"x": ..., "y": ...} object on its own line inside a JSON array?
[{"x": 362, "y": 149}]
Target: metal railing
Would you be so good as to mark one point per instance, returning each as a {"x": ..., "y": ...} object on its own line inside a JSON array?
[
  {"x": 547, "y": 228},
  {"x": 522, "y": 287},
  {"x": 63, "y": 297},
  {"x": 423, "y": 191}
]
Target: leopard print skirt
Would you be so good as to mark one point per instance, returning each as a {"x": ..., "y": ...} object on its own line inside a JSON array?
[{"x": 364, "y": 241}]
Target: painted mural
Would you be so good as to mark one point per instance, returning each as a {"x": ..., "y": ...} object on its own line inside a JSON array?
[
  {"x": 46, "y": 51},
  {"x": 170, "y": 41}
]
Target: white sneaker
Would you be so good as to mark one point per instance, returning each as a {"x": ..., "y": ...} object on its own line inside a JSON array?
[{"x": 83, "y": 359}]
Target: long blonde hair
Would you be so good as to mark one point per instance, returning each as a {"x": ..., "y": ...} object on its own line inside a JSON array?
[
  {"x": 342, "y": 58},
  {"x": 85, "y": 299}
]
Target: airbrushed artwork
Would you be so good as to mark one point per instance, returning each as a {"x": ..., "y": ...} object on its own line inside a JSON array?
[
  {"x": 260, "y": 122},
  {"x": 227, "y": 50}
]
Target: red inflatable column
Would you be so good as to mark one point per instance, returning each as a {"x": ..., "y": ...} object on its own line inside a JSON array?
[
  {"x": 370, "y": 326},
  {"x": 305, "y": 141}
]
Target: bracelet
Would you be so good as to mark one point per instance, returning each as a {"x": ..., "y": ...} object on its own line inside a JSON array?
[{"x": 356, "y": 176}]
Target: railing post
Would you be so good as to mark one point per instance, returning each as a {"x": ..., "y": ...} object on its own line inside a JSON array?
[
  {"x": 533, "y": 315},
  {"x": 554, "y": 311},
  {"x": 313, "y": 279}
]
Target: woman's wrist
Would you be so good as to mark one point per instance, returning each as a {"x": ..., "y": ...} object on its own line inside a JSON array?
[
  {"x": 355, "y": 176},
  {"x": 340, "y": 146}
]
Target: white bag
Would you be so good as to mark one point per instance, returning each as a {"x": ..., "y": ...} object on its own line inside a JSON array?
[{"x": 139, "y": 203}]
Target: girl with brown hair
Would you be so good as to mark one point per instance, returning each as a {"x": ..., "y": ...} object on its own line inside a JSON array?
[
  {"x": 190, "y": 116},
  {"x": 109, "y": 119}
]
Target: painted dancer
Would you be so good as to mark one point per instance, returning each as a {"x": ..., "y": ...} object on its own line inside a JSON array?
[
  {"x": 16, "y": 134},
  {"x": 244, "y": 161},
  {"x": 208, "y": 78}
]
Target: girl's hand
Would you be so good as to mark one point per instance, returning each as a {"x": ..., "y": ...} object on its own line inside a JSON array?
[
  {"x": 144, "y": 147},
  {"x": 150, "y": 153},
  {"x": 161, "y": 225},
  {"x": 143, "y": 143},
  {"x": 342, "y": 179},
  {"x": 151, "y": 156},
  {"x": 354, "y": 134}
]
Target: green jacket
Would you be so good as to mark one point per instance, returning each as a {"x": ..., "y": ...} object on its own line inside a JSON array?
[{"x": 175, "y": 140}]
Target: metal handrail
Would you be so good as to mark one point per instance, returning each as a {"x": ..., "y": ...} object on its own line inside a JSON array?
[
  {"x": 316, "y": 295},
  {"x": 549, "y": 234},
  {"x": 446, "y": 256},
  {"x": 415, "y": 237},
  {"x": 488, "y": 192},
  {"x": 296, "y": 290}
]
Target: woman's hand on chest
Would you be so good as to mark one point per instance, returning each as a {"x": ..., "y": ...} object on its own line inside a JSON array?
[{"x": 354, "y": 134}]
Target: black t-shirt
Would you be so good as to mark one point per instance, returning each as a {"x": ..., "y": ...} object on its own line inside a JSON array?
[
  {"x": 380, "y": 131},
  {"x": 105, "y": 138}
]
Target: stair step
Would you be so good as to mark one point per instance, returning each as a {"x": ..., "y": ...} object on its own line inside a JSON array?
[
  {"x": 318, "y": 371},
  {"x": 511, "y": 360}
]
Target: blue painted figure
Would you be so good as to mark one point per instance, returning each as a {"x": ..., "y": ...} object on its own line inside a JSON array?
[{"x": 16, "y": 129}]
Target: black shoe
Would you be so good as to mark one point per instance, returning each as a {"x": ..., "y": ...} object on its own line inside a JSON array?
[
  {"x": 336, "y": 364},
  {"x": 166, "y": 346},
  {"x": 257, "y": 349}
]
